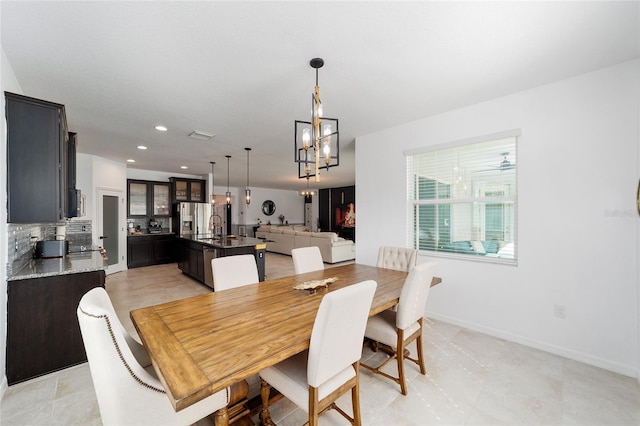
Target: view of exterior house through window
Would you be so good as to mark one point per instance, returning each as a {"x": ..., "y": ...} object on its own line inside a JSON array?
[{"x": 463, "y": 198}]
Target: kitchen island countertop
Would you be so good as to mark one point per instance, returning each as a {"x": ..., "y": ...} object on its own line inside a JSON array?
[{"x": 226, "y": 242}]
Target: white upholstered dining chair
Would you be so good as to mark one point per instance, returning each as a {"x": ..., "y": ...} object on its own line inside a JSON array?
[
  {"x": 396, "y": 329},
  {"x": 315, "y": 378},
  {"x": 128, "y": 391},
  {"x": 398, "y": 258},
  {"x": 234, "y": 271},
  {"x": 307, "y": 259}
]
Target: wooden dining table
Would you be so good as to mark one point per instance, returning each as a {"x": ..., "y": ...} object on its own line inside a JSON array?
[{"x": 203, "y": 344}]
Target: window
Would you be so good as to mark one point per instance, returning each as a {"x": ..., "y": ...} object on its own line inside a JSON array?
[{"x": 463, "y": 198}]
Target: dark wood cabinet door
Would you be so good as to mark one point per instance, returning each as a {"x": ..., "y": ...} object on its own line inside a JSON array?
[
  {"x": 36, "y": 160},
  {"x": 163, "y": 249},
  {"x": 139, "y": 251},
  {"x": 43, "y": 334},
  {"x": 182, "y": 255}
]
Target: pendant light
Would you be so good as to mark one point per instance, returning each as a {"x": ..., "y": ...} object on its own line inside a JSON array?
[
  {"x": 228, "y": 194},
  {"x": 247, "y": 191},
  {"x": 213, "y": 189},
  {"x": 316, "y": 142}
]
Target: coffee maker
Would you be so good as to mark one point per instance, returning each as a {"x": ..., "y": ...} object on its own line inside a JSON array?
[{"x": 155, "y": 227}]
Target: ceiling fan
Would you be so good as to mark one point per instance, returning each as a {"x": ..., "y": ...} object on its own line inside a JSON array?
[{"x": 504, "y": 165}]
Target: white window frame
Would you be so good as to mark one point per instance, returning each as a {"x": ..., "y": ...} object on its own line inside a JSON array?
[{"x": 491, "y": 195}]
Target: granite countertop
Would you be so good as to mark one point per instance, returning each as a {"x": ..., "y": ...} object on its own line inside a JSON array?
[
  {"x": 230, "y": 241},
  {"x": 72, "y": 263}
]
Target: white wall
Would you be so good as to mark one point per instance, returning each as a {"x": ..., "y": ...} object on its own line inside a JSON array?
[
  {"x": 9, "y": 83},
  {"x": 578, "y": 229},
  {"x": 288, "y": 203},
  {"x": 93, "y": 173}
]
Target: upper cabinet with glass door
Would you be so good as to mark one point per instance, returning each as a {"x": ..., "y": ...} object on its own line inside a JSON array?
[
  {"x": 188, "y": 190},
  {"x": 161, "y": 199},
  {"x": 148, "y": 198},
  {"x": 137, "y": 198}
]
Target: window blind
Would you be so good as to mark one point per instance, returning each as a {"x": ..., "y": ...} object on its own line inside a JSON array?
[{"x": 463, "y": 198}]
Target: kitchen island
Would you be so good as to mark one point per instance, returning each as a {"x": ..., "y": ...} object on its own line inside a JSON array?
[{"x": 196, "y": 251}]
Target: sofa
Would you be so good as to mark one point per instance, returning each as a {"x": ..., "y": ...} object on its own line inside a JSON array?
[{"x": 282, "y": 239}]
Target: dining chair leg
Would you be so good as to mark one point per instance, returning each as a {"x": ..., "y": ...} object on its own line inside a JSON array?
[
  {"x": 400, "y": 359},
  {"x": 313, "y": 406},
  {"x": 265, "y": 416},
  {"x": 355, "y": 397},
  {"x": 423, "y": 370}
]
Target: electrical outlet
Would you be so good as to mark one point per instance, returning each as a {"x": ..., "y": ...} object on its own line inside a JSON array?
[{"x": 560, "y": 311}]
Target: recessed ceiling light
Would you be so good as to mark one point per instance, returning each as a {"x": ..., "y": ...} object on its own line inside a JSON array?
[
  {"x": 131, "y": 161},
  {"x": 142, "y": 147},
  {"x": 183, "y": 167},
  {"x": 161, "y": 128}
]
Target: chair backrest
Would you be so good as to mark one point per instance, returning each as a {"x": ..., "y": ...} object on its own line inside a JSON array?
[
  {"x": 307, "y": 259},
  {"x": 398, "y": 258},
  {"x": 338, "y": 331},
  {"x": 234, "y": 271},
  {"x": 122, "y": 385},
  {"x": 413, "y": 296}
]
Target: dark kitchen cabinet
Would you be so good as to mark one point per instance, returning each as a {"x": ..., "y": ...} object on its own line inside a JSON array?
[
  {"x": 37, "y": 140},
  {"x": 191, "y": 259},
  {"x": 43, "y": 334},
  {"x": 148, "y": 198},
  {"x": 147, "y": 250},
  {"x": 188, "y": 190},
  {"x": 196, "y": 261},
  {"x": 73, "y": 195},
  {"x": 139, "y": 251}
]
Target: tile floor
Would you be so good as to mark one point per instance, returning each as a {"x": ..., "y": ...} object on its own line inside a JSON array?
[{"x": 472, "y": 378}]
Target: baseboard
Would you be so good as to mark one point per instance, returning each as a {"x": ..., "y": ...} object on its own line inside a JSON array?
[
  {"x": 554, "y": 349},
  {"x": 3, "y": 388}
]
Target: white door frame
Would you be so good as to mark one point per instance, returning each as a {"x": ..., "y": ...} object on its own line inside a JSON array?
[{"x": 121, "y": 265}]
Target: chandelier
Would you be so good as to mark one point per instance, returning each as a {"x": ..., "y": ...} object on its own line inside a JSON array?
[
  {"x": 308, "y": 192},
  {"x": 316, "y": 142}
]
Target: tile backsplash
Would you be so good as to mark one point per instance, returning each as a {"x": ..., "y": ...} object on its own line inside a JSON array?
[
  {"x": 143, "y": 223},
  {"x": 22, "y": 237}
]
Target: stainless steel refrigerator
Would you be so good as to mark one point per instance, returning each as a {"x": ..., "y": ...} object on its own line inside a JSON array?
[{"x": 192, "y": 219}]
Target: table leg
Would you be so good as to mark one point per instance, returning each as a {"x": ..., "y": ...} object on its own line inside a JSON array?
[{"x": 221, "y": 417}]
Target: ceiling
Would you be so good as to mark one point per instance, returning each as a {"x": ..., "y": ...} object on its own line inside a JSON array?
[{"x": 240, "y": 70}]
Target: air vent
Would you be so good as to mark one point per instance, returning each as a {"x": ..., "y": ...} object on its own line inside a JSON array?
[{"x": 203, "y": 136}]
